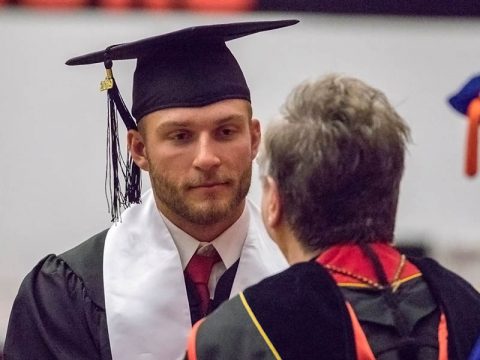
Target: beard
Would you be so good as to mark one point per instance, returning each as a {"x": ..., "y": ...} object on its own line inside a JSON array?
[{"x": 211, "y": 209}]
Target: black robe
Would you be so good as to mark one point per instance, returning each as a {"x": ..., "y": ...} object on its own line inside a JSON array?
[
  {"x": 59, "y": 312},
  {"x": 302, "y": 315}
]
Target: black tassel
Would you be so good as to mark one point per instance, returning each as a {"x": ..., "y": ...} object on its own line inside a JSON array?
[
  {"x": 118, "y": 198},
  {"x": 134, "y": 182}
]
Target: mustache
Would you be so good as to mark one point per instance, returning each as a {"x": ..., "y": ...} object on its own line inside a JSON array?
[{"x": 207, "y": 180}]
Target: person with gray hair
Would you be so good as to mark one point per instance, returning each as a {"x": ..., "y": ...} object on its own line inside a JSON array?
[{"x": 331, "y": 167}]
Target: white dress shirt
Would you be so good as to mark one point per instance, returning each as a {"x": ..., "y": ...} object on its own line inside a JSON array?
[{"x": 228, "y": 245}]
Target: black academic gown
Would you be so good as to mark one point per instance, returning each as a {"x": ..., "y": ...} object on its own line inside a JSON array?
[
  {"x": 59, "y": 312},
  {"x": 300, "y": 313}
]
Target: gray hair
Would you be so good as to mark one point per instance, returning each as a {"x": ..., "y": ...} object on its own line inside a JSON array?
[{"x": 337, "y": 154}]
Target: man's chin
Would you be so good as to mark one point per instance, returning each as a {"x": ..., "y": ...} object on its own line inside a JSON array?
[{"x": 210, "y": 212}]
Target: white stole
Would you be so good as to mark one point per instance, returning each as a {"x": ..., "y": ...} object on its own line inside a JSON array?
[{"x": 148, "y": 315}]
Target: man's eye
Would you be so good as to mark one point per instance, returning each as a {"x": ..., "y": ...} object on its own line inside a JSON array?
[
  {"x": 180, "y": 136},
  {"x": 227, "y": 132}
]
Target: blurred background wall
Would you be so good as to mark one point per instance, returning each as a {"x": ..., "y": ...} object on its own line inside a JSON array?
[{"x": 53, "y": 118}]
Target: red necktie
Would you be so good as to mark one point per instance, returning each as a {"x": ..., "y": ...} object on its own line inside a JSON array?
[{"x": 198, "y": 270}]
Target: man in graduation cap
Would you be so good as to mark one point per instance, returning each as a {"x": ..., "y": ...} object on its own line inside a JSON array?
[
  {"x": 191, "y": 242},
  {"x": 331, "y": 167}
]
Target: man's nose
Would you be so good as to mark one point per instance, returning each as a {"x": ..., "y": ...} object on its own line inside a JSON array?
[{"x": 206, "y": 156}]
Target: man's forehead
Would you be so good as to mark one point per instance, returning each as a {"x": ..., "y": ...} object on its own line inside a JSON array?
[{"x": 217, "y": 113}]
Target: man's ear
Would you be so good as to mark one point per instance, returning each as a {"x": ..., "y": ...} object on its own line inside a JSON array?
[
  {"x": 136, "y": 146},
  {"x": 256, "y": 136},
  {"x": 273, "y": 206}
]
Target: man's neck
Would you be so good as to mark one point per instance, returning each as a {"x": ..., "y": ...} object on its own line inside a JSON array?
[
  {"x": 203, "y": 232},
  {"x": 296, "y": 253},
  {"x": 291, "y": 247}
]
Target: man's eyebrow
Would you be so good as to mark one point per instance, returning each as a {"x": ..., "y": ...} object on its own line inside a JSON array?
[
  {"x": 169, "y": 124},
  {"x": 231, "y": 118}
]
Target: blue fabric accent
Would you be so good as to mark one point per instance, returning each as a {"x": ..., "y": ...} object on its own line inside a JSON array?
[
  {"x": 475, "y": 355},
  {"x": 469, "y": 91}
]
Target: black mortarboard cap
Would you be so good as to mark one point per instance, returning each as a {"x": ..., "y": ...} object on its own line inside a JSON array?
[{"x": 187, "y": 68}]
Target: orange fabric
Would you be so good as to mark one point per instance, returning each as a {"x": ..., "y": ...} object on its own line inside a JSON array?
[
  {"x": 116, "y": 4},
  {"x": 220, "y": 5},
  {"x": 471, "y": 160},
  {"x": 158, "y": 4},
  {"x": 363, "y": 350},
  {"x": 351, "y": 258},
  {"x": 442, "y": 338},
  {"x": 55, "y": 3},
  {"x": 191, "y": 344}
]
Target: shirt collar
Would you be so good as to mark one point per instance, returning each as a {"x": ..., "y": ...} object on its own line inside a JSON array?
[{"x": 228, "y": 244}]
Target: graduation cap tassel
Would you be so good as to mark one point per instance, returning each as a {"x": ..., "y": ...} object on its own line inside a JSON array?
[
  {"x": 134, "y": 182},
  {"x": 467, "y": 102},
  {"x": 471, "y": 160},
  {"x": 113, "y": 190},
  {"x": 132, "y": 172},
  {"x": 115, "y": 161}
]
